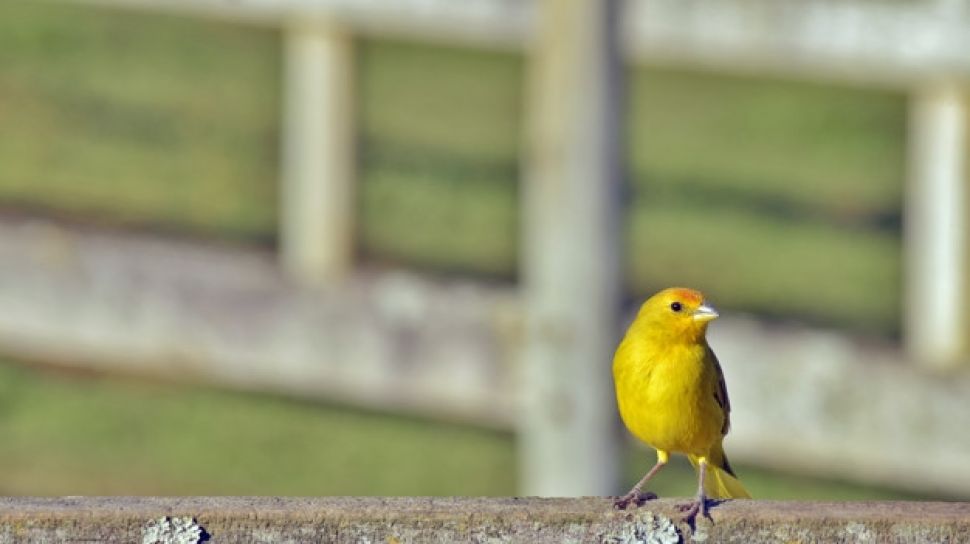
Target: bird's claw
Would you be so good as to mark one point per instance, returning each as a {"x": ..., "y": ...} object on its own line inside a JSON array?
[
  {"x": 691, "y": 510},
  {"x": 635, "y": 497}
]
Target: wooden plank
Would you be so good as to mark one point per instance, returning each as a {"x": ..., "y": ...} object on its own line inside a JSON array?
[
  {"x": 858, "y": 41},
  {"x": 571, "y": 252},
  {"x": 896, "y": 44},
  {"x": 317, "y": 216},
  {"x": 488, "y": 23},
  {"x": 814, "y": 401},
  {"x": 937, "y": 219},
  {"x": 133, "y": 304}
]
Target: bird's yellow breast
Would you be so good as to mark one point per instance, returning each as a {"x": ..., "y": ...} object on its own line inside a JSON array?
[{"x": 666, "y": 395}]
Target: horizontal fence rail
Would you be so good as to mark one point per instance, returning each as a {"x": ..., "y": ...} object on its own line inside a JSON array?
[
  {"x": 852, "y": 40},
  {"x": 126, "y": 303}
]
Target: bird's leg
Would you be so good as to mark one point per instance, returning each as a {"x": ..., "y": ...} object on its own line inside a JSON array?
[
  {"x": 635, "y": 495},
  {"x": 699, "y": 506}
]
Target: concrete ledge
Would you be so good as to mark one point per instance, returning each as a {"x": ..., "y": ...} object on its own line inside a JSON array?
[{"x": 423, "y": 519}]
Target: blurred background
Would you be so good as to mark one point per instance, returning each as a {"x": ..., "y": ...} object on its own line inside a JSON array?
[{"x": 275, "y": 248}]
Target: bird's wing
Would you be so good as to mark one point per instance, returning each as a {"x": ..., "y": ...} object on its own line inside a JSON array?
[{"x": 721, "y": 394}]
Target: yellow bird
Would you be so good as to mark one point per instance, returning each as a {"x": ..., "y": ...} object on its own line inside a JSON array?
[{"x": 671, "y": 394}]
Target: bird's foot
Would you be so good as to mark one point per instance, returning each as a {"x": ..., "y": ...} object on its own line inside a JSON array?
[
  {"x": 634, "y": 497},
  {"x": 691, "y": 511}
]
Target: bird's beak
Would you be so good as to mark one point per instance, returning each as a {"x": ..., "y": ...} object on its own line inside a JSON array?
[{"x": 704, "y": 313}]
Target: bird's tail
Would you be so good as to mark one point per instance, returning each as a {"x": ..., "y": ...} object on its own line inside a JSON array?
[{"x": 721, "y": 482}]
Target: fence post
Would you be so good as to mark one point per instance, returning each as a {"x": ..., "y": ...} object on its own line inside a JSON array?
[
  {"x": 571, "y": 252},
  {"x": 936, "y": 321},
  {"x": 318, "y": 156}
]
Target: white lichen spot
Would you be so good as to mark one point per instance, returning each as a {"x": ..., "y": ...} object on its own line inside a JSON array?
[
  {"x": 861, "y": 533},
  {"x": 647, "y": 529},
  {"x": 168, "y": 530}
]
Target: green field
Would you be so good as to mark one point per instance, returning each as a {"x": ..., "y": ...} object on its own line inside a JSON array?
[
  {"x": 775, "y": 197},
  {"x": 65, "y": 434}
]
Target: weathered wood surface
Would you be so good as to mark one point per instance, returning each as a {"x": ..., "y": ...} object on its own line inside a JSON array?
[
  {"x": 318, "y": 155},
  {"x": 571, "y": 236},
  {"x": 894, "y": 43},
  {"x": 226, "y": 315},
  {"x": 937, "y": 218}
]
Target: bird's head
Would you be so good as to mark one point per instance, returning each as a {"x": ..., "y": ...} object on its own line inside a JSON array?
[{"x": 676, "y": 314}]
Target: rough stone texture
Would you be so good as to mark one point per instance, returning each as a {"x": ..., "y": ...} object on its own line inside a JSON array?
[{"x": 486, "y": 520}]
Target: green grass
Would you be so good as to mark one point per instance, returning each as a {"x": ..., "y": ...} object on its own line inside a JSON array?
[
  {"x": 439, "y": 131},
  {"x": 828, "y": 153},
  {"x": 136, "y": 120},
  {"x": 64, "y": 434},
  {"x": 818, "y": 271},
  {"x": 777, "y": 197}
]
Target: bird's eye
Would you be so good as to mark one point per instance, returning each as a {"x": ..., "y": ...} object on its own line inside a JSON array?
[{"x": 676, "y": 306}]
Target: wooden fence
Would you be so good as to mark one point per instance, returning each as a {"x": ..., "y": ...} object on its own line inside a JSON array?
[
  {"x": 570, "y": 306},
  {"x": 917, "y": 46}
]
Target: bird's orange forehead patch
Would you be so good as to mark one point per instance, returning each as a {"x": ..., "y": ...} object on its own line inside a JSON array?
[{"x": 689, "y": 296}]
